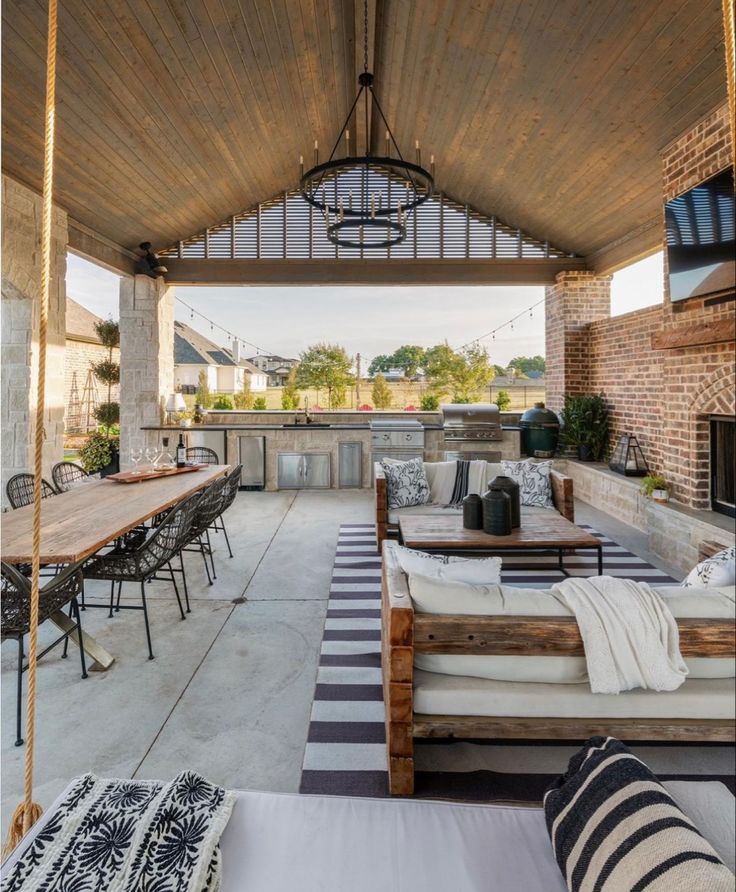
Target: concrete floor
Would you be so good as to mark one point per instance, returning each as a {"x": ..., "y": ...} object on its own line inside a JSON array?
[{"x": 229, "y": 693}]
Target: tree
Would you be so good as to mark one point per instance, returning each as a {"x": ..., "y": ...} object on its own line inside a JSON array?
[
  {"x": 203, "y": 397},
  {"x": 499, "y": 371},
  {"x": 108, "y": 371},
  {"x": 503, "y": 400},
  {"x": 429, "y": 403},
  {"x": 223, "y": 402},
  {"x": 463, "y": 374},
  {"x": 381, "y": 393},
  {"x": 381, "y": 363},
  {"x": 528, "y": 364},
  {"x": 290, "y": 394},
  {"x": 408, "y": 357},
  {"x": 244, "y": 399},
  {"x": 325, "y": 367},
  {"x": 259, "y": 404}
]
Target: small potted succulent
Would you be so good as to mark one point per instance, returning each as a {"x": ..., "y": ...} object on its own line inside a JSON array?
[{"x": 656, "y": 488}]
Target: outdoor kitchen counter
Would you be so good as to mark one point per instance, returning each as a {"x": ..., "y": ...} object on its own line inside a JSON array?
[{"x": 254, "y": 426}]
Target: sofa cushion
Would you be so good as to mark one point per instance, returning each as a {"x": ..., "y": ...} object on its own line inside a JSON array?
[
  {"x": 436, "y": 694},
  {"x": 406, "y": 483},
  {"x": 395, "y": 513},
  {"x": 533, "y": 479},
  {"x": 449, "y": 567},
  {"x": 717, "y": 570}
]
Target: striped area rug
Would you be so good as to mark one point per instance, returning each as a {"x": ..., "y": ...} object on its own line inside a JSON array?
[{"x": 346, "y": 753}]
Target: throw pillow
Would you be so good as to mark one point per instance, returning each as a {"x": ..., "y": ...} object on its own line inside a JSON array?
[
  {"x": 406, "y": 483},
  {"x": 455, "y": 569},
  {"x": 614, "y": 826},
  {"x": 533, "y": 479},
  {"x": 719, "y": 570}
]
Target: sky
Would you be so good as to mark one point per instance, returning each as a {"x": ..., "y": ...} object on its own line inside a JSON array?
[{"x": 367, "y": 320}]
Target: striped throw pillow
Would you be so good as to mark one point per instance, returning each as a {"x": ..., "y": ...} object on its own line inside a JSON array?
[{"x": 614, "y": 828}]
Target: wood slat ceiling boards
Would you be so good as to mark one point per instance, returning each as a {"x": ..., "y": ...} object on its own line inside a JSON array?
[{"x": 175, "y": 114}]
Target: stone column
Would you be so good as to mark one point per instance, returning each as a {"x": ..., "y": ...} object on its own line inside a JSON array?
[
  {"x": 21, "y": 293},
  {"x": 146, "y": 358},
  {"x": 571, "y": 304}
]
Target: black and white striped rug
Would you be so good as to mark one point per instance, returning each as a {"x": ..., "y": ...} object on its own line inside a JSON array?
[{"x": 346, "y": 752}]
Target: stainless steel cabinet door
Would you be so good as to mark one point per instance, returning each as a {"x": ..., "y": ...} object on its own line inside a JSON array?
[
  {"x": 290, "y": 470},
  {"x": 317, "y": 470},
  {"x": 350, "y": 465}
]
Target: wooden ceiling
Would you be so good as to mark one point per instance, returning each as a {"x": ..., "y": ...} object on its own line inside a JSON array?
[{"x": 174, "y": 114}]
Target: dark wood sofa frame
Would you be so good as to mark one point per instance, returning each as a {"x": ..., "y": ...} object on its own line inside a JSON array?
[
  {"x": 562, "y": 496},
  {"x": 405, "y": 633}
]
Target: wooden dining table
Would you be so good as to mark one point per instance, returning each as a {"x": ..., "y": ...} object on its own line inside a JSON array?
[{"x": 78, "y": 523}]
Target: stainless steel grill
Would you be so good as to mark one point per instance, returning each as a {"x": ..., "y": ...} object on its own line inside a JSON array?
[
  {"x": 471, "y": 422},
  {"x": 401, "y": 438}
]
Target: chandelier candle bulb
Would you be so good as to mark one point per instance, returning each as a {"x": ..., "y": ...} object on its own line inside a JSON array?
[
  {"x": 301, "y": 165},
  {"x": 316, "y": 152},
  {"x": 418, "y": 152}
]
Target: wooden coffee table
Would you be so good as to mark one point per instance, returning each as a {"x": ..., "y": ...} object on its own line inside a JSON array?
[{"x": 538, "y": 533}]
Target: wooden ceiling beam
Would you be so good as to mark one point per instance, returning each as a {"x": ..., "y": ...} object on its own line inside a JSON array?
[
  {"x": 368, "y": 272},
  {"x": 93, "y": 246},
  {"x": 641, "y": 243}
]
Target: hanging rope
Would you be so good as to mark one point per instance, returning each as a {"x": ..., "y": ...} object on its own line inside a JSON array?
[
  {"x": 28, "y": 812},
  {"x": 729, "y": 13}
]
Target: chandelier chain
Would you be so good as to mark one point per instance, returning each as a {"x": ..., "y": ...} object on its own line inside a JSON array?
[{"x": 365, "y": 35}]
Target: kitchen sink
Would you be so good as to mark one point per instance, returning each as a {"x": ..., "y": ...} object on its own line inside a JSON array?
[{"x": 307, "y": 426}]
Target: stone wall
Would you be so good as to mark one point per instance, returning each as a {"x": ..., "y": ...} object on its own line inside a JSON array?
[
  {"x": 21, "y": 291},
  {"x": 665, "y": 397},
  {"x": 146, "y": 359}
]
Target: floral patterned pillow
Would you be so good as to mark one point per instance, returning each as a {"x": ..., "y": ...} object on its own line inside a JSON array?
[
  {"x": 533, "y": 479},
  {"x": 719, "y": 570},
  {"x": 406, "y": 483}
]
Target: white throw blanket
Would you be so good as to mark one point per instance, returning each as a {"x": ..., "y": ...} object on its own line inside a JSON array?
[
  {"x": 443, "y": 481},
  {"x": 630, "y": 636}
]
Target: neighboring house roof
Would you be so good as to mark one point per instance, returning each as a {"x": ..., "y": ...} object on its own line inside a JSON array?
[
  {"x": 80, "y": 323},
  {"x": 192, "y": 348},
  {"x": 271, "y": 358},
  {"x": 535, "y": 375}
]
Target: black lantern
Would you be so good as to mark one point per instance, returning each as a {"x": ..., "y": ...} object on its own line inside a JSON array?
[{"x": 628, "y": 459}]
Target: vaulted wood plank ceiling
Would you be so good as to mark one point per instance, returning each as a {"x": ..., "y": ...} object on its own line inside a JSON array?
[{"x": 174, "y": 114}]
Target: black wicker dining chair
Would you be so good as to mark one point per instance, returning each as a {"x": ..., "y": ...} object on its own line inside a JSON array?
[
  {"x": 19, "y": 490},
  {"x": 146, "y": 561},
  {"x": 230, "y": 490},
  {"x": 208, "y": 510},
  {"x": 202, "y": 455},
  {"x": 62, "y": 589},
  {"x": 66, "y": 473}
]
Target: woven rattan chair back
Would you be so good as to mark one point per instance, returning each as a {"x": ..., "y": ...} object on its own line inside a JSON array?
[
  {"x": 16, "y": 597},
  {"x": 209, "y": 507},
  {"x": 19, "y": 490},
  {"x": 231, "y": 487},
  {"x": 66, "y": 473},
  {"x": 202, "y": 455}
]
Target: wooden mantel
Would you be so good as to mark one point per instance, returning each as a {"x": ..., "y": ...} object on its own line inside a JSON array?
[{"x": 695, "y": 335}]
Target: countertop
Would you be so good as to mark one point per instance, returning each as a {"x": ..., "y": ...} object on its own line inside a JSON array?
[{"x": 271, "y": 427}]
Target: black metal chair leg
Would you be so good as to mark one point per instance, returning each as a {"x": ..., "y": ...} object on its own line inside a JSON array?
[
  {"x": 209, "y": 549},
  {"x": 145, "y": 617},
  {"x": 184, "y": 579},
  {"x": 78, "y": 618},
  {"x": 120, "y": 591},
  {"x": 176, "y": 589},
  {"x": 66, "y": 640},
  {"x": 226, "y": 536},
  {"x": 19, "y": 705},
  {"x": 112, "y": 598},
  {"x": 204, "y": 558}
]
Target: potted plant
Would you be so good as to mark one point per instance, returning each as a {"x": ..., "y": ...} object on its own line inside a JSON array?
[
  {"x": 585, "y": 425},
  {"x": 656, "y": 488},
  {"x": 99, "y": 455}
]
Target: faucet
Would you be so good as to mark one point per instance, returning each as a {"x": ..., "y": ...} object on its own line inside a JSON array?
[{"x": 307, "y": 416}]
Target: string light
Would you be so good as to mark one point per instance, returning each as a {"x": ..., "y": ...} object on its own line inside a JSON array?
[
  {"x": 509, "y": 323},
  {"x": 231, "y": 336}
]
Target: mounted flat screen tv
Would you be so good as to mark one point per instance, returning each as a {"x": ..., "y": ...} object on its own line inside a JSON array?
[{"x": 701, "y": 252}]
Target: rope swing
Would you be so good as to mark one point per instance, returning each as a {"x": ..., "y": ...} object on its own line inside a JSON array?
[
  {"x": 28, "y": 812},
  {"x": 729, "y": 27}
]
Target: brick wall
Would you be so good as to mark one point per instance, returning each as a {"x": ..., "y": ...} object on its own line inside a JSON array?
[
  {"x": 78, "y": 357},
  {"x": 662, "y": 396}
]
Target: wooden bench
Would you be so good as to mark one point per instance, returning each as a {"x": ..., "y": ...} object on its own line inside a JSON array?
[
  {"x": 562, "y": 497},
  {"x": 405, "y": 633}
]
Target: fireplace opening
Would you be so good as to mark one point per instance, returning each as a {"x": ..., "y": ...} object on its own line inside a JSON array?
[{"x": 722, "y": 465}]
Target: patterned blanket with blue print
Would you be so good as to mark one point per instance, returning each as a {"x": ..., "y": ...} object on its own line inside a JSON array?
[{"x": 128, "y": 836}]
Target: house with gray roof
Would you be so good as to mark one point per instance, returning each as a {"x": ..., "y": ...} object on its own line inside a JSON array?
[{"x": 225, "y": 369}]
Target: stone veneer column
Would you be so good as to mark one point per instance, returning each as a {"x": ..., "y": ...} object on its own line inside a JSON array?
[
  {"x": 146, "y": 358},
  {"x": 21, "y": 292},
  {"x": 571, "y": 304}
]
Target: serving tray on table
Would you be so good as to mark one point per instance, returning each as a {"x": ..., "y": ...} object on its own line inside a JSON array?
[{"x": 151, "y": 474}]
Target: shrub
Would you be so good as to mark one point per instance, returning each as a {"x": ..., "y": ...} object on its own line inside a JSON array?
[
  {"x": 585, "y": 423},
  {"x": 107, "y": 415},
  {"x": 429, "y": 403},
  {"x": 96, "y": 452},
  {"x": 222, "y": 402},
  {"x": 244, "y": 398},
  {"x": 203, "y": 397},
  {"x": 503, "y": 400},
  {"x": 365, "y": 408},
  {"x": 290, "y": 395},
  {"x": 381, "y": 393},
  {"x": 410, "y": 408},
  {"x": 259, "y": 404}
]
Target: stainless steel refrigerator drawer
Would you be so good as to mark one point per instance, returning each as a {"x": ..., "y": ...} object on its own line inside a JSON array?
[
  {"x": 349, "y": 465},
  {"x": 252, "y": 456}
]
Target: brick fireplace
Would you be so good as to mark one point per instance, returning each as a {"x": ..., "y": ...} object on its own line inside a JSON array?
[{"x": 666, "y": 394}]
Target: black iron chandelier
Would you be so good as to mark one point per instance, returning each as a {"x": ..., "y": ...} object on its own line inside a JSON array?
[{"x": 366, "y": 199}]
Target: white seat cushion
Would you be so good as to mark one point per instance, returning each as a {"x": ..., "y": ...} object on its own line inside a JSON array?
[{"x": 436, "y": 694}]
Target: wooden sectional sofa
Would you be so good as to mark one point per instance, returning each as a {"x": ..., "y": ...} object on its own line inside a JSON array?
[
  {"x": 562, "y": 496},
  {"x": 406, "y": 633}
]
